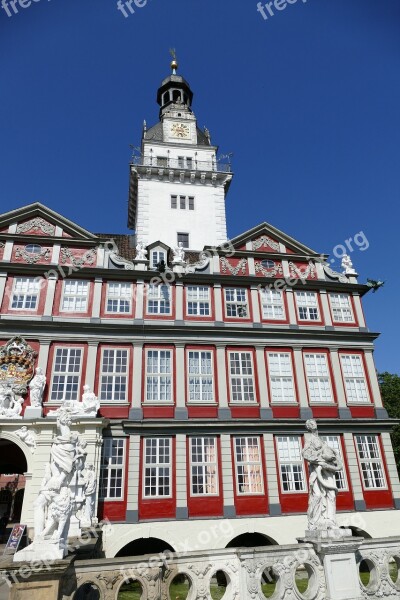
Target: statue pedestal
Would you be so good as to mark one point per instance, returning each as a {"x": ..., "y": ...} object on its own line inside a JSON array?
[
  {"x": 42, "y": 550},
  {"x": 326, "y": 535},
  {"x": 33, "y": 412},
  {"x": 340, "y": 566},
  {"x": 141, "y": 265},
  {"x": 178, "y": 266}
]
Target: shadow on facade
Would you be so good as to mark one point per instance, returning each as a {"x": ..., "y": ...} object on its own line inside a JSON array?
[
  {"x": 145, "y": 546},
  {"x": 251, "y": 540}
]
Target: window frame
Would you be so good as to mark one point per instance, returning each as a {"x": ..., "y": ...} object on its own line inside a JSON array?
[
  {"x": 199, "y": 350},
  {"x": 241, "y": 376},
  {"x": 198, "y": 302},
  {"x": 282, "y": 462},
  {"x": 159, "y": 300},
  {"x": 180, "y": 234},
  {"x": 352, "y": 402},
  {"x": 119, "y": 298},
  {"x": 158, "y": 465},
  {"x": 203, "y": 464},
  {"x": 317, "y": 306},
  {"x": 278, "y": 402},
  {"x": 248, "y": 464},
  {"x": 380, "y": 460},
  {"x": 273, "y": 304},
  {"x": 341, "y": 308},
  {"x": 315, "y": 353},
  {"x": 342, "y": 474},
  {"x": 171, "y": 401},
  {"x": 109, "y": 468},
  {"x": 236, "y": 303},
  {"x": 66, "y": 374},
  {"x": 25, "y": 294},
  {"x": 64, "y": 296},
  {"x": 114, "y": 374}
]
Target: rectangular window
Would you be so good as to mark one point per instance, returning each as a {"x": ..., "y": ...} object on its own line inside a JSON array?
[
  {"x": 157, "y": 468},
  {"x": 307, "y": 306},
  {"x": 341, "y": 308},
  {"x": 25, "y": 293},
  {"x": 249, "y": 477},
  {"x": 189, "y": 162},
  {"x": 114, "y": 375},
  {"x": 184, "y": 239},
  {"x": 318, "y": 378},
  {"x": 119, "y": 298},
  {"x": 291, "y": 464},
  {"x": 158, "y": 300},
  {"x": 272, "y": 304},
  {"x": 191, "y": 203},
  {"x": 159, "y": 376},
  {"x": 174, "y": 201},
  {"x": 200, "y": 375},
  {"x": 181, "y": 162},
  {"x": 203, "y": 466},
  {"x": 162, "y": 161},
  {"x": 354, "y": 378},
  {"x": 241, "y": 375},
  {"x": 75, "y": 296},
  {"x": 281, "y": 377},
  {"x": 156, "y": 258},
  {"x": 334, "y": 442},
  {"x": 198, "y": 300},
  {"x": 370, "y": 460},
  {"x": 236, "y": 303},
  {"x": 182, "y": 202},
  {"x": 66, "y": 374},
  {"x": 112, "y": 469}
]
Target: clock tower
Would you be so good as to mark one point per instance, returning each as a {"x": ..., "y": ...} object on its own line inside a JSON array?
[{"x": 177, "y": 185}]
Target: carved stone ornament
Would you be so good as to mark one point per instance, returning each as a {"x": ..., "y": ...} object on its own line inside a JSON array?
[
  {"x": 89, "y": 258},
  {"x": 226, "y": 266},
  {"x": 265, "y": 242},
  {"x": 200, "y": 265},
  {"x": 17, "y": 361},
  {"x": 37, "y": 224},
  {"x": 297, "y": 273},
  {"x": 32, "y": 257},
  {"x": 119, "y": 261},
  {"x": 29, "y": 437},
  {"x": 334, "y": 274},
  {"x": 272, "y": 272}
]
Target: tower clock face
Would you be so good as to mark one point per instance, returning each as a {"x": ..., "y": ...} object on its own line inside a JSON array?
[{"x": 180, "y": 130}]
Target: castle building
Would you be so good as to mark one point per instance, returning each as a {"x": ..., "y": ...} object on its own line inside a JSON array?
[{"x": 207, "y": 355}]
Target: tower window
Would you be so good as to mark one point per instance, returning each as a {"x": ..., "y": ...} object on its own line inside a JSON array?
[
  {"x": 184, "y": 238},
  {"x": 162, "y": 161},
  {"x": 185, "y": 202},
  {"x": 174, "y": 201},
  {"x": 182, "y": 202}
]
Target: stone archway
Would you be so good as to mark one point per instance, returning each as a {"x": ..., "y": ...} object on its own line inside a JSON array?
[
  {"x": 251, "y": 540},
  {"x": 141, "y": 546},
  {"x": 13, "y": 482}
]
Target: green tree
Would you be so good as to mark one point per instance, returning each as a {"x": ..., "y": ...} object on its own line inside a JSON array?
[{"x": 390, "y": 390}]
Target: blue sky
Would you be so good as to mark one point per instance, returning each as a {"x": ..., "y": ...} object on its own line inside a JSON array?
[{"x": 307, "y": 100}]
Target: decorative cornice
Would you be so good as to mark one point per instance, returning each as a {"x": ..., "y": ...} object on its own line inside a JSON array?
[{"x": 37, "y": 224}]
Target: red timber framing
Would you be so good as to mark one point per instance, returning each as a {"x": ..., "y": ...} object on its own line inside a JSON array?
[
  {"x": 323, "y": 410},
  {"x": 283, "y": 410},
  {"x": 202, "y": 409},
  {"x": 204, "y": 505},
  {"x": 155, "y": 409},
  {"x": 114, "y": 409},
  {"x": 104, "y": 313},
  {"x": 247, "y": 504},
  {"x": 378, "y": 498},
  {"x": 243, "y": 409},
  {"x": 158, "y": 507},
  {"x": 363, "y": 410},
  {"x": 7, "y": 308},
  {"x": 59, "y": 295},
  {"x": 115, "y": 510}
]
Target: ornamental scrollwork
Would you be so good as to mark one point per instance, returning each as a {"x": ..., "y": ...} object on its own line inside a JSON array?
[
  {"x": 298, "y": 273},
  {"x": 32, "y": 257},
  {"x": 265, "y": 241},
  {"x": 272, "y": 272},
  {"x": 88, "y": 258},
  {"x": 226, "y": 266},
  {"x": 37, "y": 224},
  {"x": 334, "y": 274},
  {"x": 122, "y": 262}
]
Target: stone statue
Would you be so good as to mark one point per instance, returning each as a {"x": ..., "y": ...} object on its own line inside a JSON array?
[
  {"x": 141, "y": 251},
  {"x": 10, "y": 404},
  {"x": 36, "y": 388},
  {"x": 58, "y": 516},
  {"x": 90, "y": 493},
  {"x": 6, "y": 397},
  {"x": 28, "y": 437},
  {"x": 179, "y": 254},
  {"x": 347, "y": 265},
  {"x": 324, "y": 463},
  {"x": 87, "y": 408}
]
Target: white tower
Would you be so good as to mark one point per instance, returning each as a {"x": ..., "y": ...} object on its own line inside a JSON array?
[{"x": 177, "y": 186}]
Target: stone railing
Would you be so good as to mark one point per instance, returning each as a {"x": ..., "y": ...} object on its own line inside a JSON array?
[{"x": 381, "y": 558}]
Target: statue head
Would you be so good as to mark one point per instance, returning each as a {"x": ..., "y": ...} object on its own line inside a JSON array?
[
  {"x": 311, "y": 425},
  {"x": 86, "y": 389}
]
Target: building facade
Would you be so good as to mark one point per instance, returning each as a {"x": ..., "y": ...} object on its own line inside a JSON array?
[{"x": 207, "y": 357}]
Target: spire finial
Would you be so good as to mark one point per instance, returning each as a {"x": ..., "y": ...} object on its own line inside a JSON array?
[{"x": 174, "y": 63}]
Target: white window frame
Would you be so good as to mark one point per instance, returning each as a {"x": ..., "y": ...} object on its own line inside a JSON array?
[
  {"x": 158, "y": 255},
  {"x": 80, "y": 285},
  {"x": 249, "y": 465},
  {"x": 66, "y": 374},
  {"x": 308, "y": 301},
  {"x": 242, "y": 377},
  {"x": 290, "y": 462},
  {"x": 281, "y": 377},
  {"x": 335, "y": 442},
  {"x": 119, "y": 298},
  {"x": 200, "y": 376},
  {"x": 354, "y": 379},
  {"x": 237, "y": 304},
  {"x": 29, "y": 289},
  {"x": 368, "y": 439},
  {"x": 159, "y": 376},
  {"x": 273, "y": 300},
  {"x": 317, "y": 376},
  {"x": 187, "y": 239},
  {"x": 203, "y": 464},
  {"x": 341, "y": 304},
  {"x": 116, "y": 463},
  {"x": 198, "y": 303},
  {"x": 161, "y": 299},
  {"x": 158, "y": 465},
  {"x": 114, "y": 374}
]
